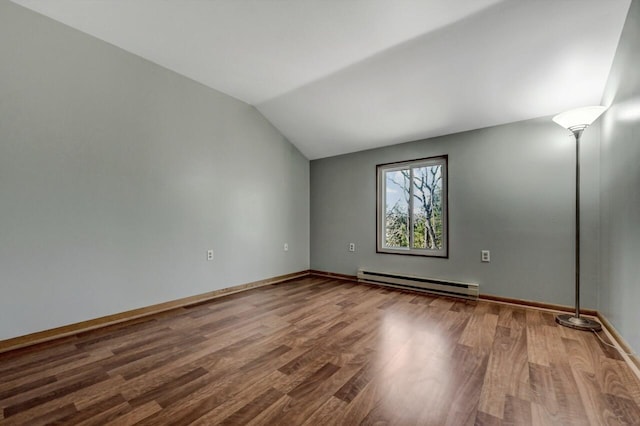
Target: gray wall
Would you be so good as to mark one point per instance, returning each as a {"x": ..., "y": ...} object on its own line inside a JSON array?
[
  {"x": 511, "y": 191},
  {"x": 117, "y": 175},
  {"x": 619, "y": 297}
]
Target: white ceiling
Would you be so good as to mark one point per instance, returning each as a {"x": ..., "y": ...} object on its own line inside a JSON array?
[{"x": 337, "y": 76}]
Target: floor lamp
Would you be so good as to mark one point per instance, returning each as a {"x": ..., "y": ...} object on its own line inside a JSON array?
[{"x": 576, "y": 120}]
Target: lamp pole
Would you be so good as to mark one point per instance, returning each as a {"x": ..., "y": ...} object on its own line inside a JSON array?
[
  {"x": 577, "y": 134},
  {"x": 568, "y": 320}
]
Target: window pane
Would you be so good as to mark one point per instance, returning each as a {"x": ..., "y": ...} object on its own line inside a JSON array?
[
  {"x": 427, "y": 207},
  {"x": 412, "y": 207},
  {"x": 396, "y": 209}
]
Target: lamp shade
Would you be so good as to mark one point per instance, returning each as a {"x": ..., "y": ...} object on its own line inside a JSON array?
[{"x": 579, "y": 118}]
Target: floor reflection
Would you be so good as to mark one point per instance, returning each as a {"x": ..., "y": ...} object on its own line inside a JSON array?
[{"x": 413, "y": 366}]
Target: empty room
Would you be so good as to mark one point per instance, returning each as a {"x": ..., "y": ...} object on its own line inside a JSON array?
[{"x": 320, "y": 212}]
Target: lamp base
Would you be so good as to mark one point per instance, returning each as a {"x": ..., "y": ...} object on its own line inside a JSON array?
[{"x": 579, "y": 323}]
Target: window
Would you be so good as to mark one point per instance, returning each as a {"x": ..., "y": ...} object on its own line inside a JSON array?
[{"x": 412, "y": 207}]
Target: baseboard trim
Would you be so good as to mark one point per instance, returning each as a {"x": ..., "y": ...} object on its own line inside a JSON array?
[
  {"x": 485, "y": 297},
  {"x": 531, "y": 303},
  {"x": 92, "y": 324},
  {"x": 623, "y": 347},
  {"x": 333, "y": 275}
]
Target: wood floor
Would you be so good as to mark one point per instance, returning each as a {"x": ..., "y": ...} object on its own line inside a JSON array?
[{"x": 320, "y": 352}]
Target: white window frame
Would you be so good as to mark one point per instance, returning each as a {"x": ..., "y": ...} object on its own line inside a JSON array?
[{"x": 381, "y": 169}]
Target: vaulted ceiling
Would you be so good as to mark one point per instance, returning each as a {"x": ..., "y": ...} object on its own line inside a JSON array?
[{"x": 347, "y": 75}]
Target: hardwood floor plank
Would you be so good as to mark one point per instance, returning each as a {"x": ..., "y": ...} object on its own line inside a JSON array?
[
  {"x": 494, "y": 389},
  {"x": 480, "y": 331},
  {"x": 138, "y": 385},
  {"x": 313, "y": 381},
  {"x": 304, "y": 404},
  {"x": 244, "y": 401},
  {"x": 543, "y": 391},
  {"x": 462, "y": 392},
  {"x": 253, "y": 408},
  {"x": 519, "y": 384},
  {"x": 108, "y": 415},
  {"x": 45, "y": 367},
  {"x": 25, "y": 387},
  {"x": 324, "y": 351},
  {"x": 485, "y": 419},
  {"x": 57, "y": 390},
  {"x": 356, "y": 383},
  {"x": 623, "y": 410},
  {"x": 390, "y": 358},
  {"x": 537, "y": 349},
  {"x": 326, "y": 412},
  {"x": 93, "y": 394},
  {"x": 157, "y": 392},
  {"x": 107, "y": 336},
  {"x": 93, "y": 412},
  {"x": 578, "y": 355},
  {"x": 81, "y": 398},
  {"x": 616, "y": 379},
  {"x": 366, "y": 401},
  {"x": 135, "y": 415},
  {"x": 571, "y": 410},
  {"x": 274, "y": 411},
  {"x": 222, "y": 391},
  {"x": 35, "y": 361},
  {"x": 601, "y": 411},
  {"x": 541, "y": 417},
  {"x": 36, "y": 353},
  {"x": 516, "y": 412},
  {"x": 443, "y": 303},
  {"x": 48, "y": 418}
]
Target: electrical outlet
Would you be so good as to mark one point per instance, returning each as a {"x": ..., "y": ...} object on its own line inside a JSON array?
[
  {"x": 286, "y": 246},
  {"x": 485, "y": 256},
  {"x": 209, "y": 254},
  {"x": 352, "y": 246}
]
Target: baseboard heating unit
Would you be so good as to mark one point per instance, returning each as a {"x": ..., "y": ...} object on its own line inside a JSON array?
[{"x": 429, "y": 285}]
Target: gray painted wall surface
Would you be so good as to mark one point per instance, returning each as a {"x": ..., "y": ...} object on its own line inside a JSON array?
[
  {"x": 117, "y": 175},
  {"x": 619, "y": 297},
  {"x": 511, "y": 191}
]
